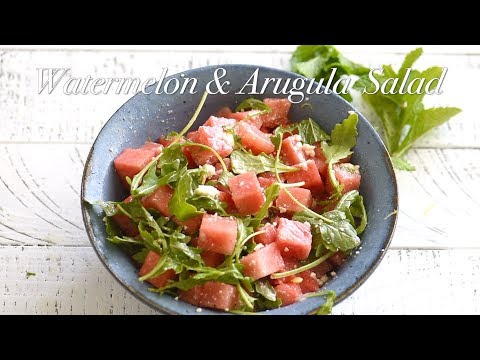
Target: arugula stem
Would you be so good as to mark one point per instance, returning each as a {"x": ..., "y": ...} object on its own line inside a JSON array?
[
  {"x": 192, "y": 120},
  {"x": 302, "y": 268},
  {"x": 292, "y": 185},
  {"x": 244, "y": 241},
  {"x": 157, "y": 267},
  {"x": 244, "y": 296},
  {"x": 138, "y": 178}
]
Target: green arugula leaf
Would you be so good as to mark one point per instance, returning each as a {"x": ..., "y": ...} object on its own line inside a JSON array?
[
  {"x": 139, "y": 257},
  {"x": 342, "y": 139},
  {"x": 208, "y": 203},
  {"x": 351, "y": 204},
  {"x": 339, "y": 234},
  {"x": 311, "y": 132},
  {"x": 268, "y": 298},
  {"x": 326, "y": 308},
  {"x": 244, "y": 162},
  {"x": 178, "y": 204},
  {"x": 253, "y": 104}
]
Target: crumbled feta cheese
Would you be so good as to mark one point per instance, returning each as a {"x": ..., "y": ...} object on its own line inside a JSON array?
[
  {"x": 282, "y": 210},
  {"x": 209, "y": 170},
  {"x": 206, "y": 190},
  {"x": 309, "y": 150},
  {"x": 199, "y": 310},
  {"x": 351, "y": 112},
  {"x": 258, "y": 247},
  {"x": 324, "y": 279},
  {"x": 286, "y": 249},
  {"x": 296, "y": 280},
  {"x": 333, "y": 273},
  {"x": 297, "y": 138},
  {"x": 303, "y": 165},
  {"x": 176, "y": 298}
]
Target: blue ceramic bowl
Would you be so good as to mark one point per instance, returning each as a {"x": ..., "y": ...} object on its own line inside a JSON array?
[{"x": 150, "y": 116}]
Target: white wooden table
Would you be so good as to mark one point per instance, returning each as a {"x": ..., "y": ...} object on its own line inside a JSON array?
[{"x": 432, "y": 267}]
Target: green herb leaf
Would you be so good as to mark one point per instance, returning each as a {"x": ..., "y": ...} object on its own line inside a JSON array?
[
  {"x": 339, "y": 234},
  {"x": 268, "y": 298},
  {"x": 244, "y": 162},
  {"x": 427, "y": 120},
  {"x": 342, "y": 139},
  {"x": 311, "y": 132},
  {"x": 402, "y": 164},
  {"x": 403, "y": 116},
  {"x": 351, "y": 204},
  {"x": 326, "y": 308},
  {"x": 253, "y": 104},
  {"x": 139, "y": 257},
  {"x": 318, "y": 62},
  {"x": 178, "y": 204},
  {"x": 29, "y": 274}
]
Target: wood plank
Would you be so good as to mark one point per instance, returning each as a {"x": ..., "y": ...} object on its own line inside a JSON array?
[
  {"x": 39, "y": 186},
  {"x": 56, "y": 117},
  {"x": 73, "y": 281}
]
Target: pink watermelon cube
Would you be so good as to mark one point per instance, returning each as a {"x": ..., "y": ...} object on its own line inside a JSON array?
[
  {"x": 212, "y": 294},
  {"x": 286, "y": 204},
  {"x": 320, "y": 161},
  {"x": 218, "y": 234},
  {"x": 347, "y": 175},
  {"x": 246, "y": 193},
  {"x": 266, "y": 179},
  {"x": 225, "y": 112},
  {"x": 190, "y": 226},
  {"x": 338, "y": 258},
  {"x": 294, "y": 238},
  {"x": 309, "y": 282},
  {"x": 131, "y": 161},
  {"x": 150, "y": 262},
  {"x": 159, "y": 199},
  {"x": 309, "y": 174},
  {"x": 249, "y": 117},
  {"x": 153, "y": 146},
  {"x": 323, "y": 268},
  {"x": 214, "y": 137},
  {"x": 263, "y": 262},
  {"x": 269, "y": 236},
  {"x": 279, "y": 114},
  {"x": 211, "y": 258},
  {"x": 220, "y": 121},
  {"x": 289, "y": 293},
  {"x": 253, "y": 139},
  {"x": 292, "y": 152}
]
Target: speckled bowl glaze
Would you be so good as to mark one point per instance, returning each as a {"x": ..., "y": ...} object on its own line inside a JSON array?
[{"x": 150, "y": 116}]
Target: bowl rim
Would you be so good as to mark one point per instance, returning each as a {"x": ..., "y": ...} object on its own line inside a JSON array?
[{"x": 158, "y": 306}]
